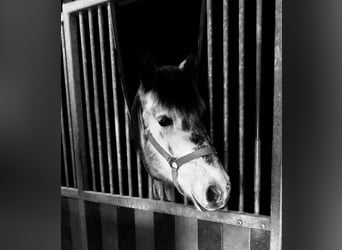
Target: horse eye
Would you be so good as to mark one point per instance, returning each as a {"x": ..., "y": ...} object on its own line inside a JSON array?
[{"x": 165, "y": 121}]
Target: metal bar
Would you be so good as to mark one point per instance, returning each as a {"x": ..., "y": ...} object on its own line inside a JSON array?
[
  {"x": 139, "y": 175},
  {"x": 276, "y": 191},
  {"x": 200, "y": 39},
  {"x": 115, "y": 97},
  {"x": 185, "y": 200},
  {"x": 85, "y": 4},
  {"x": 69, "y": 192},
  {"x": 128, "y": 152},
  {"x": 241, "y": 100},
  {"x": 150, "y": 195},
  {"x": 96, "y": 98},
  {"x": 105, "y": 88},
  {"x": 64, "y": 150},
  {"x": 67, "y": 98},
  {"x": 210, "y": 68},
  {"x": 87, "y": 100},
  {"x": 231, "y": 218},
  {"x": 119, "y": 59},
  {"x": 258, "y": 89},
  {"x": 77, "y": 118},
  {"x": 225, "y": 83},
  {"x": 82, "y": 5}
]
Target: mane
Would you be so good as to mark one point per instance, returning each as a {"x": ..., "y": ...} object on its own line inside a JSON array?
[{"x": 175, "y": 88}]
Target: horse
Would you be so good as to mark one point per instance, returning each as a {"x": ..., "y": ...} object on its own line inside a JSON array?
[{"x": 170, "y": 137}]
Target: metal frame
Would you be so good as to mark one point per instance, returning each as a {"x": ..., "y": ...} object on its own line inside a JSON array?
[{"x": 75, "y": 115}]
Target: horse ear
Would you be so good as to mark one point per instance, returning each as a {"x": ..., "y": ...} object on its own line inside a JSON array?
[
  {"x": 147, "y": 67},
  {"x": 190, "y": 64}
]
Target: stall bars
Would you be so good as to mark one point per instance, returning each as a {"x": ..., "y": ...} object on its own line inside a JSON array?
[{"x": 73, "y": 138}]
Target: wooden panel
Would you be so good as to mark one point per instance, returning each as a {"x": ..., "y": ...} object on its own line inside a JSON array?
[
  {"x": 126, "y": 228},
  {"x": 94, "y": 232},
  {"x": 75, "y": 225},
  {"x": 66, "y": 240},
  {"x": 186, "y": 233},
  {"x": 109, "y": 227},
  {"x": 235, "y": 238},
  {"x": 144, "y": 229},
  {"x": 164, "y": 232},
  {"x": 260, "y": 239},
  {"x": 209, "y": 235}
]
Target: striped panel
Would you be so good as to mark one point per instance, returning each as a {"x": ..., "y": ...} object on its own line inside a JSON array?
[
  {"x": 235, "y": 238},
  {"x": 118, "y": 228},
  {"x": 144, "y": 229},
  {"x": 75, "y": 225},
  {"x": 186, "y": 233},
  {"x": 109, "y": 227},
  {"x": 94, "y": 232},
  {"x": 164, "y": 231},
  {"x": 66, "y": 240},
  {"x": 260, "y": 239},
  {"x": 126, "y": 228},
  {"x": 209, "y": 235}
]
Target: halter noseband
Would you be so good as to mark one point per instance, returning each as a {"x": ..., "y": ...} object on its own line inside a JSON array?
[{"x": 176, "y": 163}]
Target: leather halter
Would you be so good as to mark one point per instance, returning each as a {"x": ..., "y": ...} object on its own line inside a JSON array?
[{"x": 176, "y": 163}]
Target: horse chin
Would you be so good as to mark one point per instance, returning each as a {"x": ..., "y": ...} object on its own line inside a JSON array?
[{"x": 204, "y": 207}]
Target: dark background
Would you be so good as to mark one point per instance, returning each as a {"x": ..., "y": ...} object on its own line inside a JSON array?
[
  {"x": 169, "y": 32},
  {"x": 30, "y": 124}
]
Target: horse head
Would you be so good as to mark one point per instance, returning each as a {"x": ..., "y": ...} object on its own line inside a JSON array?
[{"x": 173, "y": 142}]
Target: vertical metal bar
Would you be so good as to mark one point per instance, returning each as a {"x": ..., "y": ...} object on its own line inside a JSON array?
[
  {"x": 87, "y": 100},
  {"x": 77, "y": 118},
  {"x": 128, "y": 152},
  {"x": 115, "y": 97},
  {"x": 139, "y": 175},
  {"x": 276, "y": 191},
  {"x": 150, "y": 195},
  {"x": 64, "y": 149},
  {"x": 67, "y": 98},
  {"x": 185, "y": 200},
  {"x": 200, "y": 38},
  {"x": 105, "y": 88},
  {"x": 120, "y": 63},
  {"x": 96, "y": 98},
  {"x": 225, "y": 82},
  {"x": 258, "y": 89},
  {"x": 210, "y": 68},
  {"x": 241, "y": 100}
]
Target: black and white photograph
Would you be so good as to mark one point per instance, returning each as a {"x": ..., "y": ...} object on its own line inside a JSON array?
[{"x": 171, "y": 124}]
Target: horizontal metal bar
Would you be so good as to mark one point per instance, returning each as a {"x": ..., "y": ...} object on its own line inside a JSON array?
[
  {"x": 85, "y": 4},
  {"x": 69, "y": 192},
  {"x": 231, "y": 218},
  {"x": 81, "y": 5}
]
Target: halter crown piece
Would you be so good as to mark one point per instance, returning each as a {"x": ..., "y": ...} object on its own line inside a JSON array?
[{"x": 176, "y": 163}]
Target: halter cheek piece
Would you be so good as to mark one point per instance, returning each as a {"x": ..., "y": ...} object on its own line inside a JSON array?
[{"x": 176, "y": 163}]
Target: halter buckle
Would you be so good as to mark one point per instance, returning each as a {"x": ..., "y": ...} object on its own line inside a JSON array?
[{"x": 173, "y": 163}]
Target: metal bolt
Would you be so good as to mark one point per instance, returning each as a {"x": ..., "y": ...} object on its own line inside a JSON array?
[
  {"x": 174, "y": 164},
  {"x": 239, "y": 222},
  {"x": 263, "y": 226}
]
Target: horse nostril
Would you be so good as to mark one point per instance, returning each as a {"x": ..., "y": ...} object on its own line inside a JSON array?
[{"x": 213, "y": 194}]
